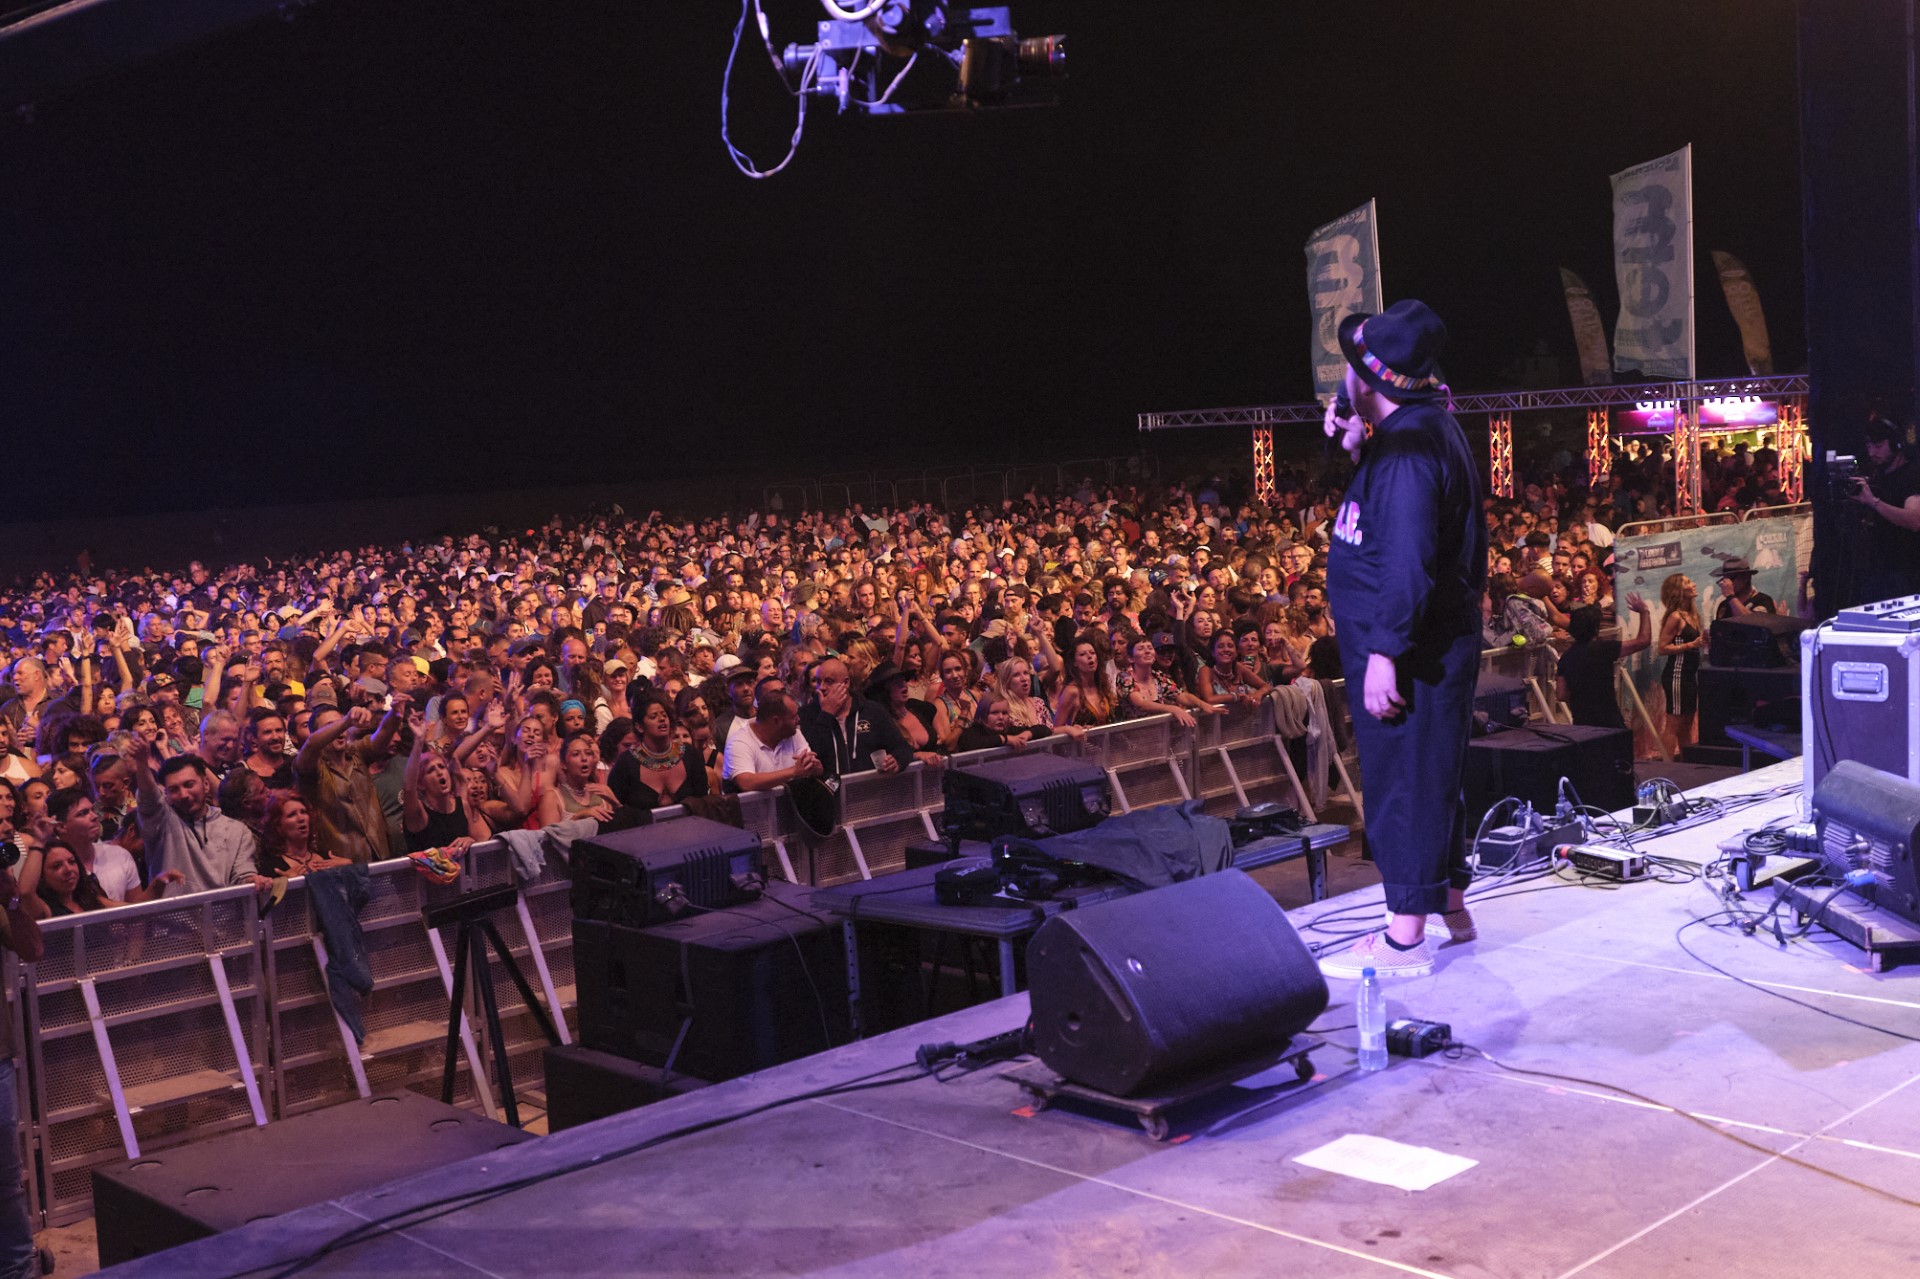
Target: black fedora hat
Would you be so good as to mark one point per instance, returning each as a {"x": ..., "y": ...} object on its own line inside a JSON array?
[
  {"x": 1735, "y": 567},
  {"x": 1396, "y": 352}
]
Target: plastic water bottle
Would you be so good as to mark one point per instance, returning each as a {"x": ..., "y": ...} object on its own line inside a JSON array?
[{"x": 1370, "y": 1011}]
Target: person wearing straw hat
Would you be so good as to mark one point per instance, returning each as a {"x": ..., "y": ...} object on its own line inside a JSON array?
[{"x": 1405, "y": 573}]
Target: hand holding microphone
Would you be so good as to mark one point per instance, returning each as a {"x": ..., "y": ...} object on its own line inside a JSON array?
[{"x": 1344, "y": 424}]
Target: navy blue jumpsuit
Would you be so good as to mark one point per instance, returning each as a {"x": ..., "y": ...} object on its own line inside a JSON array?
[{"x": 1405, "y": 574}]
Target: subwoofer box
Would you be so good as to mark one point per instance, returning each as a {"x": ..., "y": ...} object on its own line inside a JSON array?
[
  {"x": 1529, "y": 763},
  {"x": 585, "y": 1084},
  {"x": 176, "y": 1196},
  {"x": 1169, "y": 984},
  {"x": 753, "y": 986}
]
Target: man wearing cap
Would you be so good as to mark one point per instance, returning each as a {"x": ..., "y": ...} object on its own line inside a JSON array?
[
  {"x": 1406, "y": 570},
  {"x": 736, "y": 677},
  {"x": 1737, "y": 596}
]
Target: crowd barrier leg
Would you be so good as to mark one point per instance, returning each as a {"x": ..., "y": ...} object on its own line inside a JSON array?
[
  {"x": 1293, "y": 777},
  {"x": 859, "y": 854},
  {"x": 477, "y": 1072},
  {"x": 1119, "y": 791},
  {"x": 355, "y": 1063},
  {"x": 1180, "y": 780},
  {"x": 555, "y": 1012},
  {"x": 218, "y": 965},
  {"x": 103, "y": 1044},
  {"x": 786, "y": 861},
  {"x": 1540, "y": 700},
  {"x": 1346, "y": 782},
  {"x": 1233, "y": 775},
  {"x": 1641, "y": 712}
]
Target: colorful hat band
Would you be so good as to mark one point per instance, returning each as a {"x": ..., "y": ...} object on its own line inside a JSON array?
[{"x": 1384, "y": 373}]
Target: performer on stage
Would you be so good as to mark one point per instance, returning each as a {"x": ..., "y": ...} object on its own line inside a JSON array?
[{"x": 1405, "y": 575}]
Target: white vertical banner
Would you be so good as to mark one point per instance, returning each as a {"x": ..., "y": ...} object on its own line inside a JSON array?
[
  {"x": 1653, "y": 264},
  {"x": 1343, "y": 276}
]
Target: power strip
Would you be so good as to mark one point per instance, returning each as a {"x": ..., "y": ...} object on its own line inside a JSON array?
[{"x": 1606, "y": 863}]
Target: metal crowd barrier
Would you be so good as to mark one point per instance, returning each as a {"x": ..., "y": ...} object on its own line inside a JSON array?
[
  {"x": 153, "y": 1024},
  {"x": 316, "y": 1062},
  {"x": 144, "y": 1027}
]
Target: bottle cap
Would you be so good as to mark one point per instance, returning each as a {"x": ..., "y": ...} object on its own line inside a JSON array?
[{"x": 1366, "y": 972}]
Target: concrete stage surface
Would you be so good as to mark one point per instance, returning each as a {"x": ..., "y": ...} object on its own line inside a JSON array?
[{"x": 935, "y": 1179}]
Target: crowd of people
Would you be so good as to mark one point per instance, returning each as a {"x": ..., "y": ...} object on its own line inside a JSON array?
[{"x": 175, "y": 731}]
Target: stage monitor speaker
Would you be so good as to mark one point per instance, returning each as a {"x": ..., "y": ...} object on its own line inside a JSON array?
[
  {"x": 1869, "y": 824},
  {"x": 176, "y": 1196},
  {"x": 1859, "y": 700},
  {"x": 647, "y": 875},
  {"x": 1032, "y": 795},
  {"x": 1758, "y": 639},
  {"x": 1529, "y": 763},
  {"x": 1170, "y": 983}
]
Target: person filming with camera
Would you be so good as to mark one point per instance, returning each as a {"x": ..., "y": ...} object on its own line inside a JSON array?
[{"x": 1891, "y": 493}]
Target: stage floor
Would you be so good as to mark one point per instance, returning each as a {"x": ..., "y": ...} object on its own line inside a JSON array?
[{"x": 937, "y": 1179}]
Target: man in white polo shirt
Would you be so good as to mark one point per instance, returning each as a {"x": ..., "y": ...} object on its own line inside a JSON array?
[{"x": 768, "y": 750}]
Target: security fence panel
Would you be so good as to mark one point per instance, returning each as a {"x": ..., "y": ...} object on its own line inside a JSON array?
[{"x": 145, "y": 1028}]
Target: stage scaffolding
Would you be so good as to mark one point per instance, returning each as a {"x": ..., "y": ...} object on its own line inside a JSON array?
[{"x": 1599, "y": 401}]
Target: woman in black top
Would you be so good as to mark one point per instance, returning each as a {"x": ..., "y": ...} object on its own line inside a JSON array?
[
  {"x": 1585, "y": 677},
  {"x": 657, "y": 771},
  {"x": 430, "y": 807},
  {"x": 1681, "y": 639}
]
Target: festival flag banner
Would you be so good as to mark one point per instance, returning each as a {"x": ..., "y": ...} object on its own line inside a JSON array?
[
  {"x": 1589, "y": 331},
  {"x": 1743, "y": 299},
  {"x": 1343, "y": 276},
  {"x": 1653, "y": 262}
]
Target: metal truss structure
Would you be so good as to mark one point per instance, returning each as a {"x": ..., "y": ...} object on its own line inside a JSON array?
[
  {"x": 1599, "y": 445},
  {"x": 1500, "y": 451},
  {"x": 1500, "y": 406}
]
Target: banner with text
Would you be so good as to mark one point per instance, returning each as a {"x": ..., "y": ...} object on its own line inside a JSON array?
[
  {"x": 1778, "y": 548},
  {"x": 1653, "y": 263},
  {"x": 1343, "y": 276}
]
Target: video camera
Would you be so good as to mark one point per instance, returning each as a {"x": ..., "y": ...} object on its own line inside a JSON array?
[
  {"x": 922, "y": 55},
  {"x": 1841, "y": 475}
]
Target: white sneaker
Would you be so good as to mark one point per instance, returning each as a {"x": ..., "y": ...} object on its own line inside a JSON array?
[{"x": 1373, "y": 952}]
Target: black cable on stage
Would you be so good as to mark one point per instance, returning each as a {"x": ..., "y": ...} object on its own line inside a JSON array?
[
  {"x": 433, "y": 1209},
  {"x": 1825, "y": 1012},
  {"x": 1457, "y": 1050}
]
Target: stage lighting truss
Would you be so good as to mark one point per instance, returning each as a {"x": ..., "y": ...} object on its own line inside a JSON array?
[
  {"x": 1500, "y": 447},
  {"x": 1263, "y": 490},
  {"x": 1599, "y": 445}
]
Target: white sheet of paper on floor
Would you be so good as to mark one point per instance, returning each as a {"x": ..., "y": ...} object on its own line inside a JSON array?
[{"x": 1389, "y": 1163}]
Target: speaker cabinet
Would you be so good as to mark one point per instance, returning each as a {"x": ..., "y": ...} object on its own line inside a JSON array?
[
  {"x": 193, "y": 1192},
  {"x": 1171, "y": 983},
  {"x": 737, "y": 990},
  {"x": 1529, "y": 764}
]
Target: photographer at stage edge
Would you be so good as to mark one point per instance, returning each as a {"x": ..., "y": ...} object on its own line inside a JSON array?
[{"x": 1891, "y": 539}]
